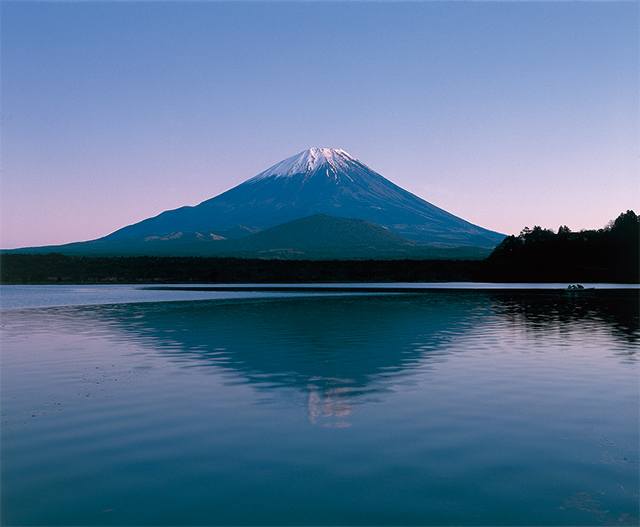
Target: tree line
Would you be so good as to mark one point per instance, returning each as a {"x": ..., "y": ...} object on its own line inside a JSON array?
[
  {"x": 610, "y": 254},
  {"x": 59, "y": 268}
]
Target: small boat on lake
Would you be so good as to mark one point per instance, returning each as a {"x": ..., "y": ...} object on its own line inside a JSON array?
[{"x": 578, "y": 288}]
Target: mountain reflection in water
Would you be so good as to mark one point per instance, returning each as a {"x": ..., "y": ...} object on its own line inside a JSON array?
[
  {"x": 341, "y": 351},
  {"x": 462, "y": 407}
]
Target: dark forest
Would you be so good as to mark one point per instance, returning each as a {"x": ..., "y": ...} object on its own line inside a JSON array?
[{"x": 611, "y": 254}]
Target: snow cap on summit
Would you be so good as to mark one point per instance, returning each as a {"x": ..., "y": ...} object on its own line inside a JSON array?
[{"x": 309, "y": 161}]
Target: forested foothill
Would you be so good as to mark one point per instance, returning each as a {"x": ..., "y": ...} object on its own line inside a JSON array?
[{"x": 610, "y": 254}]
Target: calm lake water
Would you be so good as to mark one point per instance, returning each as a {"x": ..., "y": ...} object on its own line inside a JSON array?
[{"x": 123, "y": 406}]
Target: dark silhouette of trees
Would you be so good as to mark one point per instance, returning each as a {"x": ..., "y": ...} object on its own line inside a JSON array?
[
  {"x": 58, "y": 268},
  {"x": 611, "y": 254}
]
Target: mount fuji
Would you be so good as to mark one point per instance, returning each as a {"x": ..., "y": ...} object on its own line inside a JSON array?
[{"x": 318, "y": 183}]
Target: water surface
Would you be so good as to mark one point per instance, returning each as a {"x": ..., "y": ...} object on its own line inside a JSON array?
[{"x": 450, "y": 407}]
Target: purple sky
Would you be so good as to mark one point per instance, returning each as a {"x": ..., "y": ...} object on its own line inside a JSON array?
[{"x": 507, "y": 114}]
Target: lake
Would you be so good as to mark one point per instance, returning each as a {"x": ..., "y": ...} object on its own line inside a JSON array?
[{"x": 451, "y": 405}]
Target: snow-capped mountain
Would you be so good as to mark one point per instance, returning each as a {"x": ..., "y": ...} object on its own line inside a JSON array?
[
  {"x": 316, "y": 181},
  {"x": 308, "y": 162}
]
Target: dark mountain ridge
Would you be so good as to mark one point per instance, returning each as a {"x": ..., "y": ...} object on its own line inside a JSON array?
[{"x": 322, "y": 231}]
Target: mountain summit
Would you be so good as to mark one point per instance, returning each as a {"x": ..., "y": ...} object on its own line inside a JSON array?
[
  {"x": 316, "y": 181},
  {"x": 310, "y": 162}
]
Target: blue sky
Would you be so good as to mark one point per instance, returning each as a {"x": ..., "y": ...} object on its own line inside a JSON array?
[{"x": 507, "y": 114}]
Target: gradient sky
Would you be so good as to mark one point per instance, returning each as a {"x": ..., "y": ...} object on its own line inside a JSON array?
[{"x": 507, "y": 114}]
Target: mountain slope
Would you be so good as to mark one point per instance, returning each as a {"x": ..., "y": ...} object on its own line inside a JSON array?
[{"x": 317, "y": 181}]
